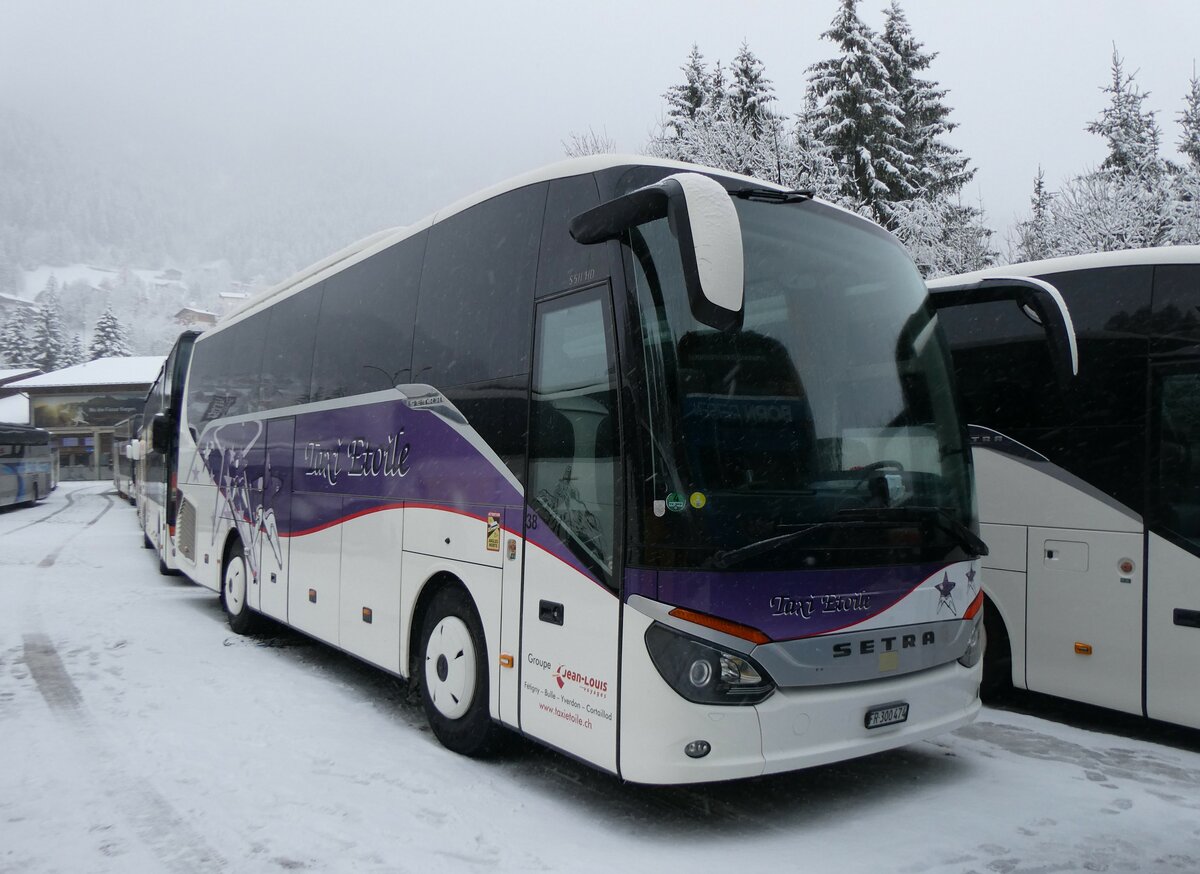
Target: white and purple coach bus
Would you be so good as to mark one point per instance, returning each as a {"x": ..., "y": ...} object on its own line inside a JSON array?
[{"x": 657, "y": 465}]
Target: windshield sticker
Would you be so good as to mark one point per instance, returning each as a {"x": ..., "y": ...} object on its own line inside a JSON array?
[
  {"x": 675, "y": 502},
  {"x": 697, "y": 500}
]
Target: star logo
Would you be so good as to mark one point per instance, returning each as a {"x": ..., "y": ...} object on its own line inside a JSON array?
[{"x": 946, "y": 598}]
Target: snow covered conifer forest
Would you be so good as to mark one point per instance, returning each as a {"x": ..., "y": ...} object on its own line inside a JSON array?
[
  {"x": 872, "y": 136},
  {"x": 104, "y": 242}
]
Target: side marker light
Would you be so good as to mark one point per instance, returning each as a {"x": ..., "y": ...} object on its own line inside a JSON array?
[{"x": 697, "y": 749}]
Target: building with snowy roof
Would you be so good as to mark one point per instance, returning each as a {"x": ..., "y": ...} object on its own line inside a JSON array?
[
  {"x": 14, "y": 405},
  {"x": 79, "y": 406},
  {"x": 190, "y": 317}
]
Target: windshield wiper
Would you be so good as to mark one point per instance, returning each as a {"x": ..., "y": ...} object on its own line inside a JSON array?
[
  {"x": 729, "y": 557},
  {"x": 964, "y": 536},
  {"x": 866, "y": 517},
  {"x": 772, "y": 195}
]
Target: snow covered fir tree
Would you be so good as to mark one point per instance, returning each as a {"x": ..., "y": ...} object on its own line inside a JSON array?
[
  {"x": 870, "y": 136},
  {"x": 1136, "y": 197},
  {"x": 108, "y": 340}
]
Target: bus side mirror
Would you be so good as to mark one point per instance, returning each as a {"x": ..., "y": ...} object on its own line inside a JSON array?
[
  {"x": 160, "y": 433},
  {"x": 1038, "y": 300},
  {"x": 705, "y": 225}
]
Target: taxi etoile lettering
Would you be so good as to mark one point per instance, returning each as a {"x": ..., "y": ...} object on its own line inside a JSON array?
[{"x": 357, "y": 457}]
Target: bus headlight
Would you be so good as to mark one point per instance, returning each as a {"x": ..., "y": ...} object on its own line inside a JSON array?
[
  {"x": 703, "y": 672},
  {"x": 974, "y": 652}
]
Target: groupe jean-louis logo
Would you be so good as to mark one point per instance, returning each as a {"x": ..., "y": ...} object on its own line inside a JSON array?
[{"x": 564, "y": 675}]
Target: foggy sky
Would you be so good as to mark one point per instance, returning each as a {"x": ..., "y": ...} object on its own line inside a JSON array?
[{"x": 443, "y": 99}]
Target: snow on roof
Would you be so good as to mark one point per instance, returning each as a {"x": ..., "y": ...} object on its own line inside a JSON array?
[
  {"x": 17, "y": 373},
  {"x": 140, "y": 370}
]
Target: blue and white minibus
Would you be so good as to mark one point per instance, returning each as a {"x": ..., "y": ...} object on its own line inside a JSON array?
[
  {"x": 25, "y": 464},
  {"x": 657, "y": 465}
]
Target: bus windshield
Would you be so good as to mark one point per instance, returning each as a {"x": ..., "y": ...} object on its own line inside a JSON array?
[{"x": 822, "y": 433}]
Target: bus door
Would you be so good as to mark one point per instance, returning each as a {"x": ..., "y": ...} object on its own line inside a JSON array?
[
  {"x": 1173, "y": 545},
  {"x": 569, "y": 609},
  {"x": 274, "y": 514}
]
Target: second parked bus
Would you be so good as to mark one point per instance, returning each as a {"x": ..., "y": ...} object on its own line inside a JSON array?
[
  {"x": 1089, "y": 489},
  {"x": 158, "y": 456}
]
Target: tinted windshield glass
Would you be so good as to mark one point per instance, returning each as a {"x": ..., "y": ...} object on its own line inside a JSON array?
[{"x": 828, "y": 417}]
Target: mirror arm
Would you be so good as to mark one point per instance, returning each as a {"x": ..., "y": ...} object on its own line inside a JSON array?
[{"x": 1036, "y": 294}]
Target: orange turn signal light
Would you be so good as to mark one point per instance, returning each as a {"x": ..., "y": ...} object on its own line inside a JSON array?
[
  {"x": 725, "y": 626},
  {"x": 1083, "y": 648},
  {"x": 975, "y": 607}
]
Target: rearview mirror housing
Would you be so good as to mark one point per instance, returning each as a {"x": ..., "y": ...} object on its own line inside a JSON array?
[
  {"x": 160, "y": 432},
  {"x": 704, "y": 223}
]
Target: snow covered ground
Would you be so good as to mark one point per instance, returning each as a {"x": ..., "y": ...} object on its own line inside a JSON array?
[{"x": 137, "y": 733}]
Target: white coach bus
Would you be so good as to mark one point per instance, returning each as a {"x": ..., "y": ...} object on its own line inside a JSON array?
[
  {"x": 156, "y": 489},
  {"x": 659, "y": 466},
  {"x": 1089, "y": 489}
]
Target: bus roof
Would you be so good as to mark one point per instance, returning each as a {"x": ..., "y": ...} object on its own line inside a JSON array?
[
  {"x": 1092, "y": 261},
  {"x": 23, "y": 435},
  {"x": 382, "y": 239}
]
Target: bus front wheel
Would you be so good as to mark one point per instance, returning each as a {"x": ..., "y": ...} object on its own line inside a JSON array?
[
  {"x": 235, "y": 584},
  {"x": 452, "y": 666}
]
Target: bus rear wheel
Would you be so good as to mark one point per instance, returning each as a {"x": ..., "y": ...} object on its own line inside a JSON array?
[
  {"x": 235, "y": 585},
  {"x": 452, "y": 666}
]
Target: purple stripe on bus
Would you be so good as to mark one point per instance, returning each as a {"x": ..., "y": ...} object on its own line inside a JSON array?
[
  {"x": 785, "y": 604},
  {"x": 345, "y": 461}
]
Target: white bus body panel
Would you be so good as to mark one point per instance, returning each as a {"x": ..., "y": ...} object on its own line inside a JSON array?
[
  {"x": 794, "y": 728},
  {"x": 369, "y": 595},
  {"x": 1173, "y": 650},
  {"x": 569, "y": 671},
  {"x": 315, "y": 576},
  {"x": 1053, "y": 573},
  {"x": 1078, "y": 595}
]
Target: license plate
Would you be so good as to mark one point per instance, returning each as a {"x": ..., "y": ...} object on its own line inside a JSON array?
[{"x": 890, "y": 715}]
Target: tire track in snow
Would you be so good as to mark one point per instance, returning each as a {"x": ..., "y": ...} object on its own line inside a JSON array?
[
  {"x": 71, "y": 496},
  {"x": 172, "y": 840},
  {"x": 50, "y": 559}
]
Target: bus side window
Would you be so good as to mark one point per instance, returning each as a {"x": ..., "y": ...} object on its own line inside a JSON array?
[
  {"x": 565, "y": 263},
  {"x": 365, "y": 331},
  {"x": 475, "y": 306},
  {"x": 573, "y": 446},
  {"x": 1178, "y": 455}
]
